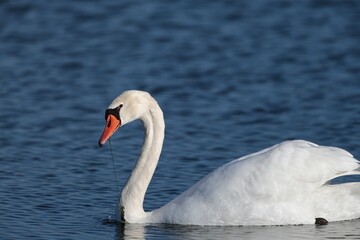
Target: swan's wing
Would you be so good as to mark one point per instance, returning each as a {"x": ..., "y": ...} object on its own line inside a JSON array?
[
  {"x": 304, "y": 161},
  {"x": 257, "y": 186},
  {"x": 286, "y": 165},
  {"x": 289, "y": 169}
]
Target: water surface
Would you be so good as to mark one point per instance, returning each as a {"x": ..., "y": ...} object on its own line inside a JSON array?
[{"x": 232, "y": 77}]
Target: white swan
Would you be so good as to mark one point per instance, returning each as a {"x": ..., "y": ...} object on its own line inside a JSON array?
[{"x": 283, "y": 184}]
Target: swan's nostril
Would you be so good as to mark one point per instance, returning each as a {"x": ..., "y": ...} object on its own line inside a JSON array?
[{"x": 109, "y": 123}]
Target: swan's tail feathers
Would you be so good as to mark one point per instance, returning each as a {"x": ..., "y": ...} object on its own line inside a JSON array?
[{"x": 338, "y": 202}]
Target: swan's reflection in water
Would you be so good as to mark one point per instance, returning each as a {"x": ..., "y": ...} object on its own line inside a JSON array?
[
  {"x": 338, "y": 230},
  {"x": 130, "y": 231}
]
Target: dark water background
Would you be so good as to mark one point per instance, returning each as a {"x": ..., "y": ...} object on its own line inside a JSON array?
[{"x": 232, "y": 77}]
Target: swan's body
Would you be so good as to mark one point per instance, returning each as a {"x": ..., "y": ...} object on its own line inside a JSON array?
[{"x": 284, "y": 184}]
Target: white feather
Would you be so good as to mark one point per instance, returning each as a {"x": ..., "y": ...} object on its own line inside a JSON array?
[{"x": 283, "y": 184}]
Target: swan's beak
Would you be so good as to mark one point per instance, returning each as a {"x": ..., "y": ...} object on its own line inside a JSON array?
[{"x": 112, "y": 124}]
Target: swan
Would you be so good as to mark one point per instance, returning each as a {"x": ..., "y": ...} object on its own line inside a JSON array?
[{"x": 283, "y": 184}]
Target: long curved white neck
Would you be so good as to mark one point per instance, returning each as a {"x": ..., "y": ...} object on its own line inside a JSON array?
[{"x": 132, "y": 196}]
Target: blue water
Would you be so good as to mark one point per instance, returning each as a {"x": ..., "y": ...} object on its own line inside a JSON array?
[{"x": 232, "y": 77}]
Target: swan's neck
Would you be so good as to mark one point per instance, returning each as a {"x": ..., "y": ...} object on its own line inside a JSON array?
[{"x": 132, "y": 196}]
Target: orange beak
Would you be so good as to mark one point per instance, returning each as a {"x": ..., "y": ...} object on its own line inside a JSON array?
[{"x": 112, "y": 124}]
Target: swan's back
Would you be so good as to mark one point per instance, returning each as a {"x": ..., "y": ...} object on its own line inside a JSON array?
[{"x": 279, "y": 185}]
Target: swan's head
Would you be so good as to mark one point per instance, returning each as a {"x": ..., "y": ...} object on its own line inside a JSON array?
[{"x": 127, "y": 107}]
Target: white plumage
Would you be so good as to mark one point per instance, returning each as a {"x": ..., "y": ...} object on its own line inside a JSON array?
[{"x": 283, "y": 184}]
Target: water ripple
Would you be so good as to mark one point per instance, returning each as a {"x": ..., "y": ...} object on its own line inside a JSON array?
[{"x": 231, "y": 77}]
